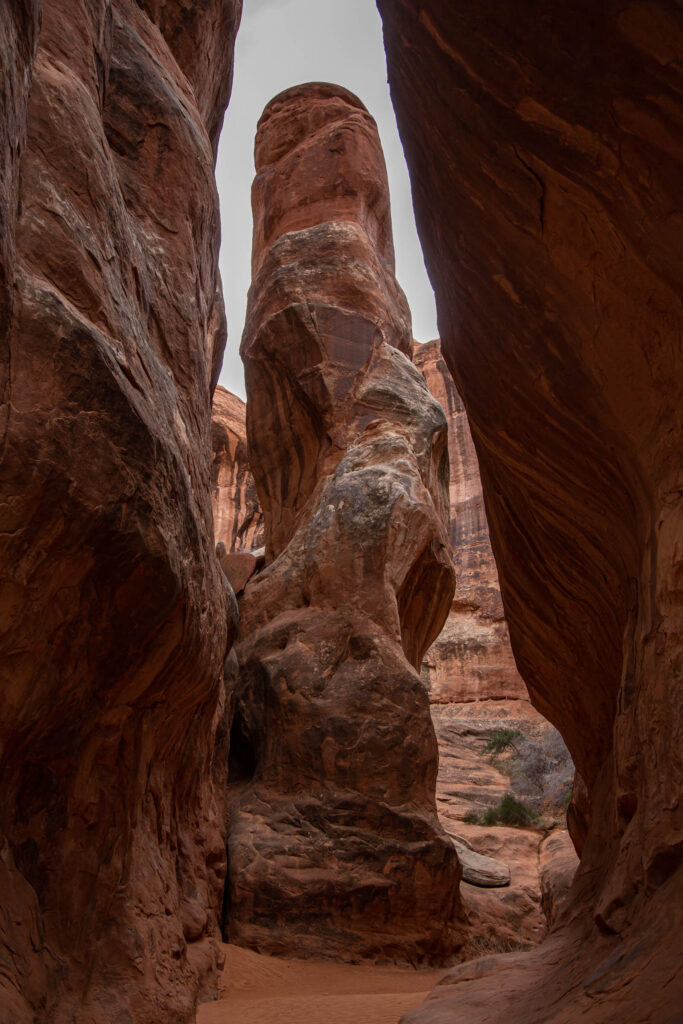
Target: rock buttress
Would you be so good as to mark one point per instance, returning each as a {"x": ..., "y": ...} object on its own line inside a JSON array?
[
  {"x": 334, "y": 844},
  {"x": 546, "y": 175},
  {"x": 113, "y": 623}
]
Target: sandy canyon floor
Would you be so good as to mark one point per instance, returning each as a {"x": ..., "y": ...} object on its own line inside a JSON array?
[{"x": 255, "y": 989}]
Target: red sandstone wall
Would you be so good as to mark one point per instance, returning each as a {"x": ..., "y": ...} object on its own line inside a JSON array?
[
  {"x": 546, "y": 181},
  {"x": 114, "y": 616}
]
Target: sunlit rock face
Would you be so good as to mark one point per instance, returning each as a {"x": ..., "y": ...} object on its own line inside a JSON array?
[
  {"x": 471, "y": 659},
  {"x": 546, "y": 182},
  {"x": 115, "y": 619},
  {"x": 334, "y": 847},
  {"x": 237, "y": 516}
]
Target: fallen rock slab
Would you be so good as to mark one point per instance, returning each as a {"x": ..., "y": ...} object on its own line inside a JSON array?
[{"x": 484, "y": 872}]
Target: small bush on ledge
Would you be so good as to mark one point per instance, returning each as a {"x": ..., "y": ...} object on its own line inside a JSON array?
[
  {"x": 511, "y": 812},
  {"x": 501, "y": 739}
]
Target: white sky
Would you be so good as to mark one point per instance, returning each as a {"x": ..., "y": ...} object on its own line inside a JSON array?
[{"x": 283, "y": 43}]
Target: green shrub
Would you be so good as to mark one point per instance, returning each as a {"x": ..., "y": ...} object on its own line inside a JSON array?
[
  {"x": 501, "y": 739},
  {"x": 510, "y": 812},
  {"x": 472, "y": 818},
  {"x": 491, "y": 816}
]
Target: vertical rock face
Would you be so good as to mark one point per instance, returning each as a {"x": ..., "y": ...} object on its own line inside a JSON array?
[
  {"x": 334, "y": 844},
  {"x": 19, "y": 24},
  {"x": 546, "y": 178},
  {"x": 237, "y": 516},
  {"x": 472, "y": 658},
  {"x": 112, "y": 604}
]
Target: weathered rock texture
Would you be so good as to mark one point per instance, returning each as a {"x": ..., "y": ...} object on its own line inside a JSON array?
[
  {"x": 237, "y": 516},
  {"x": 334, "y": 845},
  {"x": 472, "y": 658},
  {"x": 112, "y": 604},
  {"x": 472, "y": 780},
  {"x": 546, "y": 167}
]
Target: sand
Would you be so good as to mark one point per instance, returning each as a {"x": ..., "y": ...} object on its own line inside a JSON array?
[{"x": 256, "y": 989}]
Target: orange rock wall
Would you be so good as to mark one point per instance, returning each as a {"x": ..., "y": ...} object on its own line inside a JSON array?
[
  {"x": 546, "y": 181},
  {"x": 237, "y": 516},
  {"x": 114, "y": 616},
  {"x": 471, "y": 658}
]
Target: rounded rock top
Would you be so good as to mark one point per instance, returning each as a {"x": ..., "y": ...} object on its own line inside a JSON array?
[{"x": 300, "y": 112}]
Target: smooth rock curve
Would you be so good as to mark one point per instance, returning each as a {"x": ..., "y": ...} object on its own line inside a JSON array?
[
  {"x": 115, "y": 619},
  {"x": 546, "y": 167}
]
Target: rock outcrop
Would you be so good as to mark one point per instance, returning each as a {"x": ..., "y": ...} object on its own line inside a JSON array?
[
  {"x": 237, "y": 516},
  {"x": 114, "y": 615},
  {"x": 546, "y": 178},
  {"x": 335, "y": 849},
  {"x": 472, "y": 658},
  {"x": 489, "y": 750}
]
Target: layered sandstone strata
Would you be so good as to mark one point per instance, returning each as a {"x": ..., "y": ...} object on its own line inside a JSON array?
[
  {"x": 472, "y": 658},
  {"x": 113, "y": 623},
  {"x": 546, "y": 178},
  {"x": 237, "y": 516},
  {"x": 334, "y": 844}
]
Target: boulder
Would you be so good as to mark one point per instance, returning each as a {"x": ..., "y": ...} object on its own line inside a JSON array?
[
  {"x": 485, "y": 872},
  {"x": 239, "y": 567},
  {"x": 558, "y": 863}
]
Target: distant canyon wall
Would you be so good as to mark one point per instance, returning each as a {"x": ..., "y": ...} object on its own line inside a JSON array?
[
  {"x": 472, "y": 658},
  {"x": 237, "y": 515},
  {"x": 115, "y": 619}
]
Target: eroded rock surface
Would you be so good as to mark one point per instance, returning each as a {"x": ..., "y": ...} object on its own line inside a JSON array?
[
  {"x": 472, "y": 658},
  {"x": 335, "y": 849},
  {"x": 473, "y": 779},
  {"x": 546, "y": 179},
  {"x": 237, "y": 516},
  {"x": 113, "y": 621}
]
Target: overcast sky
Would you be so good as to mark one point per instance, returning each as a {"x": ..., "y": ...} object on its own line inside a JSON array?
[{"x": 283, "y": 43}]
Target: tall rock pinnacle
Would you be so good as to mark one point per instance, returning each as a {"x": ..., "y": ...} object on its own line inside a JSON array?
[{"x": 334, "y": 844}]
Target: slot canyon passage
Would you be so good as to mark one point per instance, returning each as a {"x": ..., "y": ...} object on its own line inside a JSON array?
[{"x": 180, "y": 765}]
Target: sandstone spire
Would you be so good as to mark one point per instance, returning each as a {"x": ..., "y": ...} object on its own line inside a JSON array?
[{"x": 334, "y": 844}]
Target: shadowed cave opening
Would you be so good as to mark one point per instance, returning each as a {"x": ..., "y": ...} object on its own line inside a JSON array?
[{"x": 242, "y": 754}]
